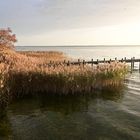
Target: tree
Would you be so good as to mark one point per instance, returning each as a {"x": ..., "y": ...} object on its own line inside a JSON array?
[{"x": 7, "y": 39}]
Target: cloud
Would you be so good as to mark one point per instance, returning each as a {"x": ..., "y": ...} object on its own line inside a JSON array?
[
  {"x": 29, "y": 17},
  {"x": 64, "y": 14},
  {"x": 89, "y": 13}
]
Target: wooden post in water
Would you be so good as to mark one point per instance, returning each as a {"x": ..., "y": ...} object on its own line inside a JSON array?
[
  {"x": 83, "y": 63},
  {"x": 139, "y": 65},
  {"x": 110, "y": 61},
  {"x": 79, "y": 62},
  {"x": 91, "y": 62},
  {"x": 97, "y": 61},
  {"x": 104, "y": 60},
  {"x": 133, "y": 62},
  {"x": 125, "y": 59}
]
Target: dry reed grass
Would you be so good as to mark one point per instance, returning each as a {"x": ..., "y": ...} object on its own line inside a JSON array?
[{"x": 23, "y": 73}]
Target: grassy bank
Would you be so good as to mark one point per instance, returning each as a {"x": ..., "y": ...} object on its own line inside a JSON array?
[{"x": 28, "y": 73}]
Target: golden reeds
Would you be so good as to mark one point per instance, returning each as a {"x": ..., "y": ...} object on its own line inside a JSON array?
[{"x": 24, "y": 73}]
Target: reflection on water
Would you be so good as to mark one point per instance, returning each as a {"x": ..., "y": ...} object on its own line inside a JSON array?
[
  {"x": 5, "y": 128},
  {"x": 109, "y": 114},
  {"x": 102, "y": 115},
  {"x": 106, "y": 115}
]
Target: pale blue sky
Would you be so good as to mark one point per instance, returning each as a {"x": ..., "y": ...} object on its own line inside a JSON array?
[{"x": 70, "y": 22}]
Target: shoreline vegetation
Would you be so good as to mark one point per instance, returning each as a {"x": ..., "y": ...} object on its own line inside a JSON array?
[{"x": 28, "y": 73}]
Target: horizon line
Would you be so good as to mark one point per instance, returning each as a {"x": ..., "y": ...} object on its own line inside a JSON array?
[{"x": 71, "y": 45}]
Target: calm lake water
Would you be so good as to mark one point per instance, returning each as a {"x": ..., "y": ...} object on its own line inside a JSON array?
[
  {"x": 100, "y": 116},
  {"x": 89, "y": 52}
]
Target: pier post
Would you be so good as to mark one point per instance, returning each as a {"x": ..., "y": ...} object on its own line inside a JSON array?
[
  {"x": 79, "y": 62},
  {"x": 110, "y": 61},
  {"x": 104, "y": 60},
  {"x": 133, "y": 62},
  {"x": 139, "y": 65},
  {"x": 97, "y": 61},
  {"x": 125, "y": 59},
  {"x": 83, "y": 63},
  {"x": 91, "y": 62}
]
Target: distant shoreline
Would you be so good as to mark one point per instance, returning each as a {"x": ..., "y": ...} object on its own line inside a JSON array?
[{"x": 77, "y": 46}]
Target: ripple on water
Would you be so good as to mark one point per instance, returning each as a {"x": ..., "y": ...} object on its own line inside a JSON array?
[{"x": 104, "y": 115}]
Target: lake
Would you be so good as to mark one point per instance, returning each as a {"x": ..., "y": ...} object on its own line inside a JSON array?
[{"x": 103, "y": 115}]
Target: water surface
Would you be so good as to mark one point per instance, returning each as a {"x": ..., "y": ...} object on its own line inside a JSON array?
[
  {"x": 103, "y": 115},
  {"x": 89, "y": 52}
]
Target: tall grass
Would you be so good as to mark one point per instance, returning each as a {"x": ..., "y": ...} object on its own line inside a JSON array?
[{"x": 28, "y": 73}]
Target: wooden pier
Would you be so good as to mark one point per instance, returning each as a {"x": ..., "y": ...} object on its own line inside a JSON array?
[
  {"x": 92, "y": 62},
  {"x": 131, "y": 61}
]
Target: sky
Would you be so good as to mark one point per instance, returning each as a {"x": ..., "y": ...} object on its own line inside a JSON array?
[{"x": 72, "y": 22}]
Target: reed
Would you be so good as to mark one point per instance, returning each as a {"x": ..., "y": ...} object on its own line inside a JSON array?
[{"x": 28, "y": 73}]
